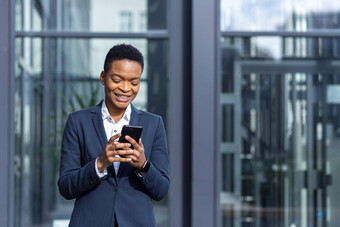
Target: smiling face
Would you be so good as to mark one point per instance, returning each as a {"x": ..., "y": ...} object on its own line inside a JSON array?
[{"x": 121, "y": 84}]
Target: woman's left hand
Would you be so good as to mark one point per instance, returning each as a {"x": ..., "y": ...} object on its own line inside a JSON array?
[{"x": 137, "y": 156}]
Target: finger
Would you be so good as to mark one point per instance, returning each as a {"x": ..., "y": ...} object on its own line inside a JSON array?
[
  {"x": 126, "y": 148},
  {"x": 113, "y": 138},
  {"x": 129, "y": 156},
  {"x": 122, "y": 146},
  {"x": 120, "y": 159},
  {"x": 124, "y": 153},
  {"x": 112, "y": 153},
  {"x": 132, "y": 141},
  {"x": 140, "y": 143}
]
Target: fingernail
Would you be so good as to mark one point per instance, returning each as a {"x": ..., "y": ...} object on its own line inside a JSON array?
[
  {"x": 130, "y": 159},
  {"x": 131, "y": 151}
]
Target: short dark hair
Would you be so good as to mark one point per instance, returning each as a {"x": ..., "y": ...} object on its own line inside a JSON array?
[{"x": 123, "y": 51}]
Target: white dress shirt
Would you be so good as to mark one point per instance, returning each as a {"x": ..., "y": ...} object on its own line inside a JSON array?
[{"x": 112, "y": 128}]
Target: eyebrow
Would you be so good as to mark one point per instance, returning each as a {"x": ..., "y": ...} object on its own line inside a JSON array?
[{"x": 120, "y": 76}]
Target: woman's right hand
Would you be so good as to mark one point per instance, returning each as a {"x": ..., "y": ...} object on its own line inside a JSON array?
[{"x": 110, "y": 151}]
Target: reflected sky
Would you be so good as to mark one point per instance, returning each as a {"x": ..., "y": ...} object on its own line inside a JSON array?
[{"x": 266, "y": 15}]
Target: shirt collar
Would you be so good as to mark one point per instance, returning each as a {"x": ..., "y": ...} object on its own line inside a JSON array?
[{"x": 106, "y": 114}]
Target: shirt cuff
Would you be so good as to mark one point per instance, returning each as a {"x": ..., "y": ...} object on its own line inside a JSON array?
[{"x": 99, "y": 174}]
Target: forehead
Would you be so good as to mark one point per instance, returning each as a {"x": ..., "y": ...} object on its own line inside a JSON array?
[{"x": 126, "y": 65}]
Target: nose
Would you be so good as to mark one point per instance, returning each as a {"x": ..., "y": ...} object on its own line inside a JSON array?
[{"x": 125, "y": 87}]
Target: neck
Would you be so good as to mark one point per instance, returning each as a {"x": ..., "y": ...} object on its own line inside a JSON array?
[{"x": 115, "y": 113}]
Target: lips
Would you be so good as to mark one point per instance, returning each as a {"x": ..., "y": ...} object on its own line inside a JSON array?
[{"x": 122, "y": 98}]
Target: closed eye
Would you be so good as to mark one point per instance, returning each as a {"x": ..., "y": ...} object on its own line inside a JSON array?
[{"x": 135, "y": 82}]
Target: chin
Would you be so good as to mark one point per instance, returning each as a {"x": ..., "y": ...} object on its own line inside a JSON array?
[{"x": 122, "y": 106}]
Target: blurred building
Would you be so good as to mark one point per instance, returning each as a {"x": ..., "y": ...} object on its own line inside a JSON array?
[{"x": 249, "y": 91}]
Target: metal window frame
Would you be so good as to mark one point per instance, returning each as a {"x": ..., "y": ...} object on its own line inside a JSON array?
[
  {"x": 152, "y": 34},
  {"x": 7, "y": 113},
  {"x": 322, "y": 33}
]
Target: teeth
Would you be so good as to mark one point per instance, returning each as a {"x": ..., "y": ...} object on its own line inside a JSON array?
[{"x": 123, "y": 96}]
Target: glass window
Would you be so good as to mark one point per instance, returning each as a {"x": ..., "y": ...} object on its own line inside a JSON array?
[
  {"x": 53, "y": 78},
  {"x": 91, "y": 15},
  {"x": 281, "y": 163},
  {"x": 284, "y": 15},
  {"x": 227, "y": 123},
  {"x": 125, "y": 21}
]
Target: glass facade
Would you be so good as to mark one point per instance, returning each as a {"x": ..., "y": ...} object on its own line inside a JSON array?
[
  {"x": 90, "y": 15},
  {"x": 58, "y": 75},
  {"x": 280, "y": 114}
]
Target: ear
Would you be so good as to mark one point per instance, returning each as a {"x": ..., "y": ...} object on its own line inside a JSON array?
[{"x": 102, "y": 77}]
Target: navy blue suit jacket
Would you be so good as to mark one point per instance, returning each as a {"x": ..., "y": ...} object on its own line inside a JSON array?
[{"x": 127, "y": 195}]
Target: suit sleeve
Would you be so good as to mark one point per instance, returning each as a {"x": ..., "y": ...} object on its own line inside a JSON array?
[
  {"x": 157, "y": 181},
  {"x": 74, "y": 179}
]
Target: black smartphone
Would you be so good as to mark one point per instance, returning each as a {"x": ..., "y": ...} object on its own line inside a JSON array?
[{"x": 133, "y": 131}]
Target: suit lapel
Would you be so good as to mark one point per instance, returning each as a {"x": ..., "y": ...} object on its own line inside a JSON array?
[
  {"x": 98, "y": 125},
  {"x": 136, "y": 116}
]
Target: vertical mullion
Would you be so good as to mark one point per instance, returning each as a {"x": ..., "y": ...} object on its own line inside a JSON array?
[
  {"x": 323, "y": 152},
  {"x": 7, "y": 113},
  {"x": 204, "y": 133},
  {"x": 309, "y": 154},
  {"x": 218, "y": 116},
  {"x": 258, "y": 147},
  {"x": 45, "y": 127},
  {"x": 179, "y": 116},
  {"x": 296, "y": 216},
  {"x": 238, "y": 74}
]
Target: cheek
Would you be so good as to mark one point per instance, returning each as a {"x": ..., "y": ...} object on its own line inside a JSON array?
[
  {"x": 111, "y": 86},
  {"x": 135, "y": 90}
]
